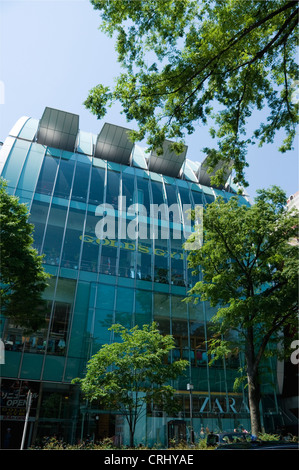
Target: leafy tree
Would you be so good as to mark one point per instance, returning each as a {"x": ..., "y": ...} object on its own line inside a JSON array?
[
  {"x": 250, "y": 271},
  {"x": 128, "y": 374},
  {"x": 181, "y": 57},
  {"x": 22, "y": 276}
]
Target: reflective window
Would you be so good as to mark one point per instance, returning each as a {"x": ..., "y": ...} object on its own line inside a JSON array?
[
  {"x": 197, "y": 197},
  {"x": 177, "y": 262},
  {"x": 124, "y": 307},
  {"x": 47, "y": 175},
  {"x": 38, "y": 216},
  {"x": 198, "y": 344},
  {"x": 64, "y": 178},
  {"x": 30, "y": 171},
  {"x": 108, "y": 257},
  {"x": 90, "y": 250},
  {"x": 127, "y": 265},
  {"x": 171, "y": 194},
  {"x": 185, "y": 195},
  {"x": 59, "y": 328},
  {"x": 157, "y": 192},
  {"x": 80, "y": 186},
  {"x": 112, "y": 188},
  {"x": 53, "y": 338},
  {"x": 105, "y": 297},
  {"x": 162, "y": 312},
  {"x": 128, "y": 190},
  {"x": 73, "y": 239},
  {"x": 208, "y": 198},
  {"x": 143, "y": 307},
  {"x": 101, "y": 333},
  {"x": 144, "y": 260},
  {"x": 143, "y": 193},
  {"x": 14, "y": 163},
  {"x": 124, "y": 299},
  {"x": 161, "y": 261},
  {"x": 180, "y": 334},
  {"x": 96, "y": 193},
  {"x": 54, "y": 234}
]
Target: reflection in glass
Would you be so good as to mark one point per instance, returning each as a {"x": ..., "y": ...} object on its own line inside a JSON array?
[
  {"x": 143, "y": 193},
  {"x": 161, "y": 261},
  {"x": 96, "y": 193},
  {"x": 90, "y": 251},
  {"x": 143, "y": 307},
  {"x": 112, "y": 188},
  {"x": 177, "y": 262},
  {"x": 38, "y": 216},
  {"x": 80, "y": 185},
  {"x": 64, "y": 178},
  {"x": 47, "y": 175},
  {"x": 54, "y": 234},
  {"x": 144, "y": 260},
  {"x": 157, "y": 192},
  {"x": 162, "y": 312},
  {"x": 128, "y": 190},
  {"x": 73, "y": 239}
]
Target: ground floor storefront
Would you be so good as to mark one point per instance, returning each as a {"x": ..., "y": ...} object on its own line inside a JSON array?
[{"x": 57, "y": 411}]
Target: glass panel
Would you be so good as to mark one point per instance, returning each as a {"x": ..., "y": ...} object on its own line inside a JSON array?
[
  {"x": 73, "y": 239},
  {"x": 124, "y": 299},
  {"x": 143, "y": 193},
  {"x": 209, "y": 198},
  {"x": 96, "y": 194},
  {"x": 197, "y": 197},
  {"x": 15, "y": 162},
  {"x": 177, "y": 262},
  {"x": 57, "y": 315},
  {"x": 124, "y": 307},
  {"x": 64, "y": 179},
  {"x": 103, "y": 321},
  {"x": 144, "y": 260},
  {"x": 171, "y": 194},
  {"x": 161, "y": 261},
  {"x": 184, "y": 194},
  {"x": 80, "y": 185},
  {"x": 112, "y": 188},
  {"x": 90, "y": 252},
  {"x": 143, "y": 307},
  {"x": 47, "y": 175},
  {"x": 157, "y": 191},
  {"x": 38, "y": 216},
  {"x": 128, "y": 189},
  {"x": 54, "y": 234},
  {"x": 59, "y": 328},
  {"x": 198, "y": 344},
  {"x": 31, "y": 168},
  {"x": 105, "y": 297},
  {"x": 124, "y": 318},
  {"x": 127, "y": 267},
  {"x": 108, "y": 257},
  {"x": 162, "y": 312},
  {"x": 180, "y": 334}
]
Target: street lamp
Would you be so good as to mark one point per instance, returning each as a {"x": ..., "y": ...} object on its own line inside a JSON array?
[{"x": 190, "y": 388}]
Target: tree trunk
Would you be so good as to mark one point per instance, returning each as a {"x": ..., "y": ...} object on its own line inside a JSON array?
[
  {"x": 254, "y": 402},
  {"x": 132, "y": 432}
]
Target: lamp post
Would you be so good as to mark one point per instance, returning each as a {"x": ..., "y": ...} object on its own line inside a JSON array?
[
  {"x": 28, "y": 406},
  {"x": 190, "y": 388}
]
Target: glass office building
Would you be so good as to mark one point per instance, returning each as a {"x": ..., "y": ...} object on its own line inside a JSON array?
[{"x": 65, "y": 175}]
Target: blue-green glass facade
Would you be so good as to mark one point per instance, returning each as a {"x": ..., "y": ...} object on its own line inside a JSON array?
[{"x": 98, "y": 282}]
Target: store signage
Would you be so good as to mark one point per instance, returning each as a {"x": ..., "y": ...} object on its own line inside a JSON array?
[{"x": 131, "y": 246}]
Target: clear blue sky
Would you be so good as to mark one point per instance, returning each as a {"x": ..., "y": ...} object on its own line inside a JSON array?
[{"x": 52, "y": 53}]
